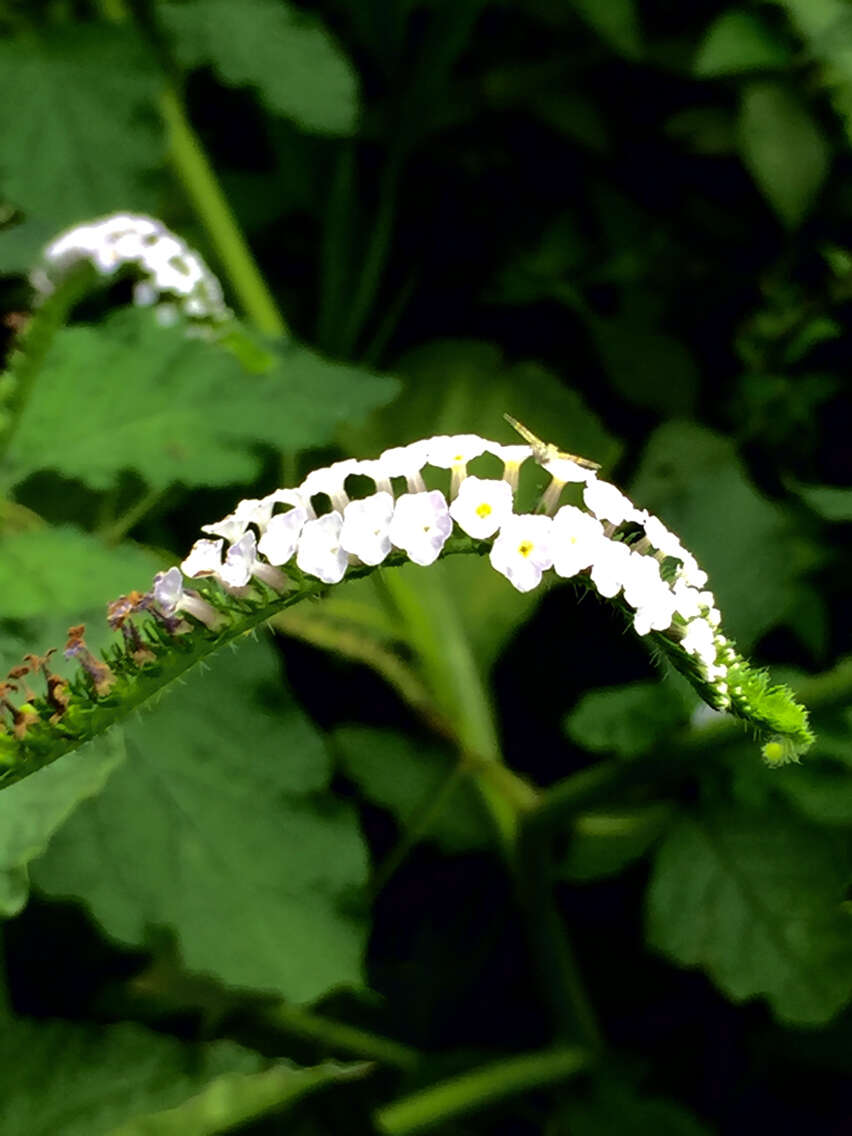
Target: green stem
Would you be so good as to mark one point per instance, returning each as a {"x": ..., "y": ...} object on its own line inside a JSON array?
[
  {"x": 35, "y": 342},
  {"x": 478, "y": 1089},
  {"x": 339, "y": 1037},
  {"x": 115, "y": 531},
  {"x": 203, "y": 189},
  {"x": 559, "y": 978}
]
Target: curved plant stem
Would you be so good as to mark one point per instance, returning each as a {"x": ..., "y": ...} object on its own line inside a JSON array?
[
  {"x": 478, "y": 1089},
  {"x": 203, "y": 189}
]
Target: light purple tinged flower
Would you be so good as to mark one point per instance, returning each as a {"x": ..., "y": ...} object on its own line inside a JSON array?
[
  {"x": 421, "y": 524},
  {"x": 281, "y": 535},
  {"x": 576, "y": 537},
  {"x": 239, "y": 561},
  {"x": 366, "y": 527},
  {"x": 481, "y": 507},
  {"x": 319, "y": 552},
  {"x": 171, "y": 597},
  {"x": 523, "y": 550}
]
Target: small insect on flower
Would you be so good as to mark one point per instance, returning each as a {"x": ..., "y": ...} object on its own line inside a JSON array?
[{"x": 544, "y": 452}]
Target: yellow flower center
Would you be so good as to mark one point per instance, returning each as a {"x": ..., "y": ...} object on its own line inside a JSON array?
[
  {"x": 525, "y": 547},
  {"x": 483, "y": 510}
]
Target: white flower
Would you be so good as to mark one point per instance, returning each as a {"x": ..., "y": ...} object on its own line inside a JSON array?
[
  {"x": 609, "y": 504},
  {"x": 481, "y": 507},
  {"x": 687, "y": 600},
  {"x": 513, "y": 457},
  {"x": 576, "y": 537},
  {"x": 698, "y": 640},
  {"x": 406, "y": 461},
  {"x": 239, "y": 561},
  {"x": 642, "y": 580},
  {"x": 319, "y": 552},
  {"x": 453, "y": 452},
  {"x": 373, "y": 468},
  {"x": 610, "y": 567},
  {"x": 252, "y": 511},
  {"x": 331, "y": 481},
  {"x": 366, "y": 524},
  {"x": 690, "y": 573},
  {"x": 662, "y": 538},
  {"x": 281, "y": 535},
  {"x": 522, "y": 551},
  {"x": 563, "y": 470},
  {"x": 421, "y": 524},
  {"x": 205, "y": 559},
  {"x": 171, "y": 597}
]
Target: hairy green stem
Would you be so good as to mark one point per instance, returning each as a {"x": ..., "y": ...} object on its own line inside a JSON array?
[{"x": 478, "y": 1089}]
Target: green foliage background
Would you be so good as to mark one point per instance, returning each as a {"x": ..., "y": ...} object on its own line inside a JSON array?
[{"x": 298, "y": 895}]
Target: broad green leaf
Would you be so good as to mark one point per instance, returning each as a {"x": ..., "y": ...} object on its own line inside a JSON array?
[
  {"x": 613, "y": 1106},
  {"x": 646, "y": 365},
  {"x": 627, "y": 720},
  {"x": 60, "y": 1077},
  {"x": 292, "y": 60},
  {"x": 693, "y": 479},
  {"x": 604, "y": 842},
  {"x": 738, "y": 41},
  {"x": 234, "y": 1099},
  {"x": 212, "y": 828},
  {"x": 419, "y": 784},
  {"x": 64, "y": 570},
  {"x": 133, "y": 395},
  {"x": 78, "y": 122},
  {"x": 784, "y": 149},
  {"x": 754, "y": 898},
  {"x": 32, "y": 810},
  {"x": 615, "y": 21}
]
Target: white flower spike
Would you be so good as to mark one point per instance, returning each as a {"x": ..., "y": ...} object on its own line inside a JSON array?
[{"x": 576, "y": 541}]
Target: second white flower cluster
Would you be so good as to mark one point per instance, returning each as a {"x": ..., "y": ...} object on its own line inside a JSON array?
[
  {"x": 263, "y": 534},
  {"x": 168, "y": 266}
]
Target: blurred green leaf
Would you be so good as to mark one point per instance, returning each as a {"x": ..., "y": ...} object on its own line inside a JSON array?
[
  {"x": 832, "y": 502},
  {"x": 32, "y": 810},
  {"x": 750, "y": 547},
  {"x": 211, "y": 828},
  {"x": 627, "y": 720},
  {"x": 615, "y": 21},
  {"x": 83, "y": 1081},
  {"x": 739, "y": 41},
  {"x": 183, "y": 409},
  {"x": 605, "y": 842},
  {"x": 460, "y": 385},
  {"x": 78, "y": 122},
  {"x": 411, "y": 780},
  {"x": 614, "y": 1107},
  {"x": 783, "y": 147},
  {"x": 646, "y": 365},
  {"x": 234, "y": 1099},
  {"x": 754, "y": 898},
  {"x": 62, "y": 569},
  {"x": 289, "y": 56}
]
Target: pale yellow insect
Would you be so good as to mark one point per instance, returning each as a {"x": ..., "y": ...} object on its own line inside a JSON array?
[{"x": 546, "y": 451}]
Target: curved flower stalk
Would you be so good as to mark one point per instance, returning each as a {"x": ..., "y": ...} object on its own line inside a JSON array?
[
  {"x": 270, "y": 552},
  {"x": 172, "y": 276}
]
